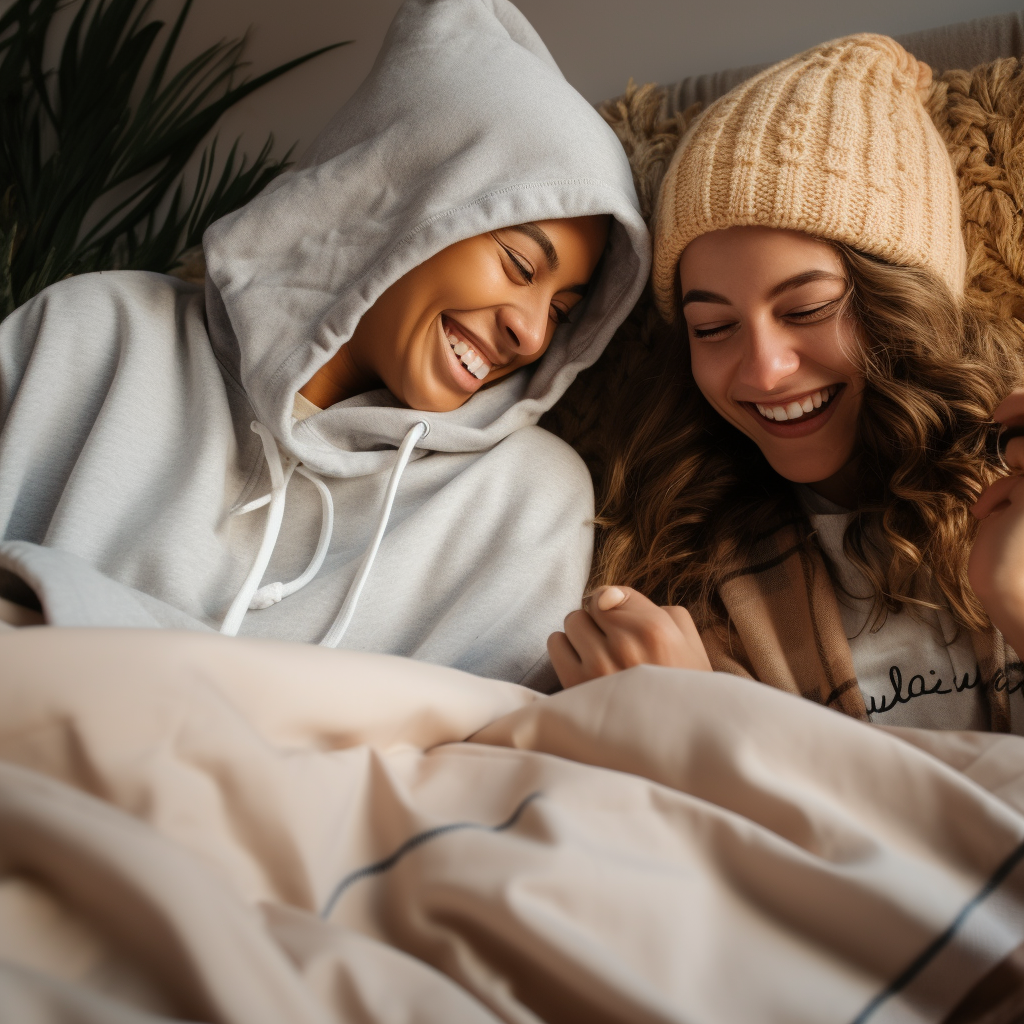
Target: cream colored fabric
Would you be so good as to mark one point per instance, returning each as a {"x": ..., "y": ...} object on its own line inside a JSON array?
[
  {"x": 834, "y": 142},
  {"x": 303, "y": 408},
  {"x": 204, "y": 829}
]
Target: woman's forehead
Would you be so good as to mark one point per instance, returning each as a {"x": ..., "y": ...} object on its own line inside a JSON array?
[{"x": 757, "y": 258}]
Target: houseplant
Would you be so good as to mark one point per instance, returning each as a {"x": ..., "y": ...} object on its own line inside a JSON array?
[{"x": 92, "y": 151}]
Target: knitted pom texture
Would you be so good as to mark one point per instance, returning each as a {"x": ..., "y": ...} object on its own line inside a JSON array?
[{"x": 835, "y": 142}]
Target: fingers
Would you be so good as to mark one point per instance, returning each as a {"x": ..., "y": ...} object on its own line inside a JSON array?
[
  {"x": 606, "y": 598},
  {"x": 1010, "y": 408},
  {"x": 996, "y": 566},
  {"x": 582, "y": 631},
  {"x": 591, "y": 645},
  {"x": 638, "y": 632},
  {"x": 626, "y": 604},
  {"x": 1013, "y": 453},
  {"x": 684, "y": 621},
  {"x": 565, "y": 661},
  {"x": 994, "y": 496},
  {"x": 620, "y": 628}
]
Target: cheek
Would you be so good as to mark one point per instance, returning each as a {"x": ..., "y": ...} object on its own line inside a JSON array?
[
  {"x": 709, "y": 374},
  {"x": 463, "y": 277},
  {"x": 844, "y": 349}
]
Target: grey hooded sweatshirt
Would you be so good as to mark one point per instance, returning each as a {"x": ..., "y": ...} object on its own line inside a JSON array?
[{"x": 145, "y": 422}]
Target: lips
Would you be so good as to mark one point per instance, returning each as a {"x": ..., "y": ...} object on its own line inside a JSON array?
[
  {"x": 797, "y": 409},
  {"x": 797, "y": 426},
  {"x": 465, "y": 352}
]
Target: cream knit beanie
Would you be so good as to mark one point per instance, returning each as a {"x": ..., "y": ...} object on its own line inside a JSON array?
[{"x": 834, "y": 142}]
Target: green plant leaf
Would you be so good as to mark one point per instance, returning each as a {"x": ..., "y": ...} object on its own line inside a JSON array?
[{"x": 93, "y": 151}]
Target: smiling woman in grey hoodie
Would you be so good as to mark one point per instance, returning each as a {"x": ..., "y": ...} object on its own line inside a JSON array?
[{"x": 336, "y": 443}]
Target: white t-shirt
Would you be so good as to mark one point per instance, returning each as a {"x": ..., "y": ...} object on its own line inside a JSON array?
[{"x": 911, "y": 671}]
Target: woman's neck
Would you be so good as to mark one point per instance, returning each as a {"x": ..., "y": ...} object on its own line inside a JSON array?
[
  {"x": 339, "y": 378},
  {"x": 841, "y": 488}
]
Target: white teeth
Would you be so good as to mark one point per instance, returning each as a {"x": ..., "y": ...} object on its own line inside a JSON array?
[
  {"x": 794, "y": 410},
  {"x": 469, "y": 357}
]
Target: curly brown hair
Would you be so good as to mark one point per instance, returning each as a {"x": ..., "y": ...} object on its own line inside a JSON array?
[{"x": 687, "y": 495}]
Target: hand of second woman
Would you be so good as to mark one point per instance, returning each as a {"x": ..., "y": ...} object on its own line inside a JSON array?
[
  {"x": 996, "y": 568},
  {"x": 618, "y": 628}
]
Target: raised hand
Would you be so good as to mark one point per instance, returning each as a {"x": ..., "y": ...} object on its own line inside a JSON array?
[{"x": 996, "y": 568}]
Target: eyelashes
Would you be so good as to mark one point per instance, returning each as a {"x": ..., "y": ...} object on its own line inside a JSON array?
[
  {"x": 812, "y": 316},
  {"x": 803, "y": 316},
  {"x": 559, "y": 316},
  {"x": 711, "y": 332},
  {"x": 524, "y": 271}
]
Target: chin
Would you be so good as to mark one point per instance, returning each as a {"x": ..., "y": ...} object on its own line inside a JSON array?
[
  {"x": 438, "y": 402},
  {"x": 806, "y": 471}
]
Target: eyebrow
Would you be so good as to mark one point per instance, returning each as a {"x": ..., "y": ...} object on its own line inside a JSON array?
[
  {"x": 539, "y": 235},
  {"x": 698, "y": 295},
  {"x": 805, "y": 278}
]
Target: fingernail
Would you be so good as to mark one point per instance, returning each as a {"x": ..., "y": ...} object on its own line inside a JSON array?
[{"x": 609, "y": 598}]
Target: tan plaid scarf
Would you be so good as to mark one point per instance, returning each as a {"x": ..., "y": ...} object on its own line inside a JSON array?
[{"x": 785, "y": 630}]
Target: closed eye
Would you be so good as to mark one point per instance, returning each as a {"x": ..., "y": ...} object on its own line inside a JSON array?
[
  {"x": 811, "y": 315},
  {"x": 523, "y": 269},
  {"x": 717, "y": 331},
  {"x": 560, "y": 316},
  {"x": 815, "y": 314}
]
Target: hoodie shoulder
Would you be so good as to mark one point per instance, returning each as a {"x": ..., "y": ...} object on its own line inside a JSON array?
[
  {"x": 78, "y": 331},
  {"x": 92, "y": 309},
  {"x": 544, "y": 467},
  {"x": 114, "y": 285}
]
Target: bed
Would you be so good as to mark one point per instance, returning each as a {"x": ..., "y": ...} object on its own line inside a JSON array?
[
  {"x": 196, "y": 828},
  {"x": 206, "y": 829}
]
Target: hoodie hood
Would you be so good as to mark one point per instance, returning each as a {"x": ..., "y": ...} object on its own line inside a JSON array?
[{"x": 463, "y": 126}]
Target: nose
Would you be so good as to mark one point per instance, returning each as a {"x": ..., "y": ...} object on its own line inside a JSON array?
[
  {"x": 524, "y": 327},
  {"x": 769, "y": 356}
]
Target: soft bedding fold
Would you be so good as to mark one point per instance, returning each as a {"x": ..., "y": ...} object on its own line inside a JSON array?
[{"x": 243, "y": 830}]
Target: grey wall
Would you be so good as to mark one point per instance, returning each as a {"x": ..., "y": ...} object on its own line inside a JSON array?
[{"x": 599, "y": 44}]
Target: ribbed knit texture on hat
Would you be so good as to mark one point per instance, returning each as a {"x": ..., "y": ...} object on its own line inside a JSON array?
[{"x": 834, "y": 142}]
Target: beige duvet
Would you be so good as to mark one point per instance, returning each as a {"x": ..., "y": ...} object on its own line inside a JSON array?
[{"x": 194, "y": 828}]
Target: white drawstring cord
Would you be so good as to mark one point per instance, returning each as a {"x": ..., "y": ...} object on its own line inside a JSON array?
[
  {"x": 279, "y": 477},
  {"x": 251, "y": 595},
  {"x": 270, "y": 594},
  {"x": 416, "y": 433}
]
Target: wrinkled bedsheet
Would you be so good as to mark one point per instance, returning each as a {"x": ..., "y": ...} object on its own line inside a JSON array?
[{"x": 194, "y": 828}]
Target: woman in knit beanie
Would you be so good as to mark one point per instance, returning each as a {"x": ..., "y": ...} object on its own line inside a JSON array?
[{"x": 801, "y": 479}]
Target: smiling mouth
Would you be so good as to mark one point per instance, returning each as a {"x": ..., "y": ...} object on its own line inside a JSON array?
[
  {"x": 464, "y": 352},
  {"x": 801, "y": 409}
]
